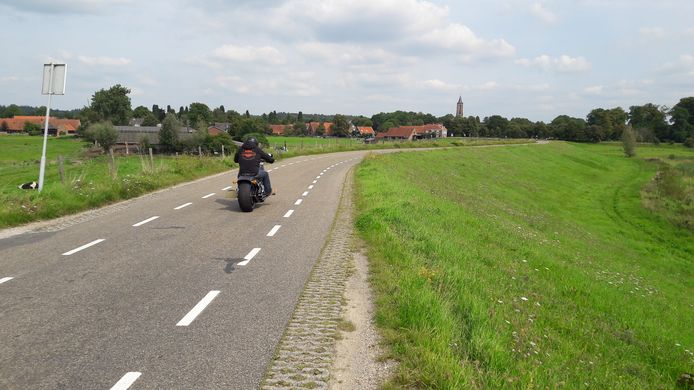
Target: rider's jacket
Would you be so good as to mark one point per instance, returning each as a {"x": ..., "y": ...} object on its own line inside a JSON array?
[{"x": 249, "y": 157}]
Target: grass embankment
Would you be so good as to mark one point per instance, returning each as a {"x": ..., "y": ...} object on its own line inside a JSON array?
[
  {"x": 88, "y": 182},
  {"x": 527, "y": 267},
  {"x": 300, "y": 146}
]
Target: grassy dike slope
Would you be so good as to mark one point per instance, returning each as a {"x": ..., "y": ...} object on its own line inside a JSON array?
[{"x": 526, "y": 267}]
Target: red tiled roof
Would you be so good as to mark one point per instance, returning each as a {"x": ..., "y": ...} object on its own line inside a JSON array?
[
  {"x": 401, "y": 132},
  {"x": 278, "y": 129},
  {"x": 363, "y": 130},
  {"x": 313, "y": 126},
  {"x": 16, "y": 124}
]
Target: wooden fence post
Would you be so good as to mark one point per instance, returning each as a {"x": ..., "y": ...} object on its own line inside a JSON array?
[{"x": 61, "y": 169}]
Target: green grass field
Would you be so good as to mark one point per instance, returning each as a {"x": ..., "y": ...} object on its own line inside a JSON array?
[
  {"x": 537, "y": 266},
  {"x": 87, "y": 180}
]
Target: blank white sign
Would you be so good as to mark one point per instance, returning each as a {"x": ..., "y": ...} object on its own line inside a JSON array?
[{"x": 58, "y": 85}]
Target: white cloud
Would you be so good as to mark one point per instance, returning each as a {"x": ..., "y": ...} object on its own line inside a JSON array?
[
  {"x": 8, "y": 78},
  {"x": 340, "y": 53},
  {"x": 462, "y": 40},
  {"x": 404, "y": 26},
  {"x": 594, "y": 89},
  {"x": 294, "y": 84},
  {"x": 264, "y": 54},
  {"x": 652, "y": 32},
  {"x": 104, "y": 61},
  {"x": 65, "y": 6},
  {"x": 684, "y": 64},
  {"x": 563, "y": 63},
  {"x": 543, "y": 13},
  {"x": 689, "y": 32}
]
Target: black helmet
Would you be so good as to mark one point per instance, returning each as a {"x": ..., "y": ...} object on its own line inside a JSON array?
[{"x": 252, "y": 141}]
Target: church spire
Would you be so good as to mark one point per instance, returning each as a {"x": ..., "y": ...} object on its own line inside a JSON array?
[{"x": 459, "y": 107}]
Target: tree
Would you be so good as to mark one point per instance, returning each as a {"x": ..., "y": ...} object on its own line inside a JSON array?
[
  {"x": 112, "y": 104},
  {"x": 198, "y": 112},
  {"x": 150, "y": 120},
  {"x": 103, "y": 133},
  {"x": 650, "y": 117},
  {"x": 340, "y": 126},
  {"x": 168, "y": 134},
  {"x": 4, "y": 127},
  {"x": 682, "y": 119},
  {"x": 11, "y": 111},
  {"x": 32, "y": 128},
  {"x": 158, "y": 112},
  {"x": 629, "y": 142},
  {"x": 299, "y": 128},
  {"x": 140, "y": 112},
  {"x": 300, "y": 117}
]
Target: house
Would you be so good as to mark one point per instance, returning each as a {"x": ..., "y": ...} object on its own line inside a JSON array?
[
  {"x": 218, "y": 128},
  {"x": 410, "y": 133},
  {"x": 365, "y": 131},
  {"x": 279, "y": 129},
  {"x": 311, "y": 127},
  {"x": 55, "y": 125},
  {"x": 136, "y": 121}
]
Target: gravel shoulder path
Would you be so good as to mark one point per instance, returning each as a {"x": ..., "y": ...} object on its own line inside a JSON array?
[{"x": 331, "y": 342}]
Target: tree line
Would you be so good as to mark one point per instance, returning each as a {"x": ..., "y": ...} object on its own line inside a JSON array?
[{"x": 650, "y": 122}]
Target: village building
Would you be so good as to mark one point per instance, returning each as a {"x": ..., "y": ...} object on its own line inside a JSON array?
[
  {"x": 312, "y": 127},
  {"x": 365, "y": 131},
  {"x": 218, "y": 128},
  {"x": 55, "y": 125},
  {"x": 280, "y": 129},
  {"x": 411, "y": 133}
]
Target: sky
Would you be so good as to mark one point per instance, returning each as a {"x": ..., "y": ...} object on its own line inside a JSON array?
[{"x": 515, "y": 58}]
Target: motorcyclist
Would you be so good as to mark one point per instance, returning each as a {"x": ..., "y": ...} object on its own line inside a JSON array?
[{"x": 249, "y": 156}]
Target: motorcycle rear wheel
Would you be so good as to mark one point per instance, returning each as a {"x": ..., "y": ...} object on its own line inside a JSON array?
[{"x": 245, "y": 197}]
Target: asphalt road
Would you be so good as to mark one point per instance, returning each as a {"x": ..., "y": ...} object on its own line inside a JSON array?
[{"x": 196, "y": 298}]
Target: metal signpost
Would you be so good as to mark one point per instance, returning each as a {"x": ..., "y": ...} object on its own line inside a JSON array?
[{"x": 53, "y": 84}]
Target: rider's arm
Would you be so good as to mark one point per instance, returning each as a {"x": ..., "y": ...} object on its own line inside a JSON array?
[{"x": 266, "y": 157}]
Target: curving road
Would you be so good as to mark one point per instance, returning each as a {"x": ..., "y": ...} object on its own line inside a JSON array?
[{"x": 177, "y": 289}]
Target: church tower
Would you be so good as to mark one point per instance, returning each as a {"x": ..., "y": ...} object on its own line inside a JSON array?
[{"x": 459, "y": 107}]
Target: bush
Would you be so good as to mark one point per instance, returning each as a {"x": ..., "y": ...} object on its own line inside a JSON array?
[
  {"x": 103, "y": 133},
  {"x": 33, "y": 129},
  {"x": 629, "y": 142},
  {"x": 689, "y": 142}
]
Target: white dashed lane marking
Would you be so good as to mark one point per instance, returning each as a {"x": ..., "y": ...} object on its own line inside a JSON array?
[
  {"x": 85, "y": 246},
  {"x": 249, "y": 256},
  {"x": 208, "y": 195},
  {"x": 226, "y": 188},
  {"x": 126, "y": 381},
  {"x": 145, "y": 221},
  {"x": 274, "y": 230},
  {"x": 305, "y": 193},
  {"x": 6, "y": 279},
  {"x": 298, "y": 202},
  {"x": 190, "y": 317},
  {"x": 310, "y": 187},
  {"x": 289, "y": 213},
  {"x": 183, "y": 205}
]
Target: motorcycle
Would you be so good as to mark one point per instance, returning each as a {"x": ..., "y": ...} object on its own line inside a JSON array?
[{"x": 249, "y": 191}]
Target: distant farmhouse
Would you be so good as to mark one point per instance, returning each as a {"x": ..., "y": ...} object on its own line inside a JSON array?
[
  {"x": 366, "y": 131},
  {"x": 411, "y": 133},
  {"x": 55, "y": 125}
]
